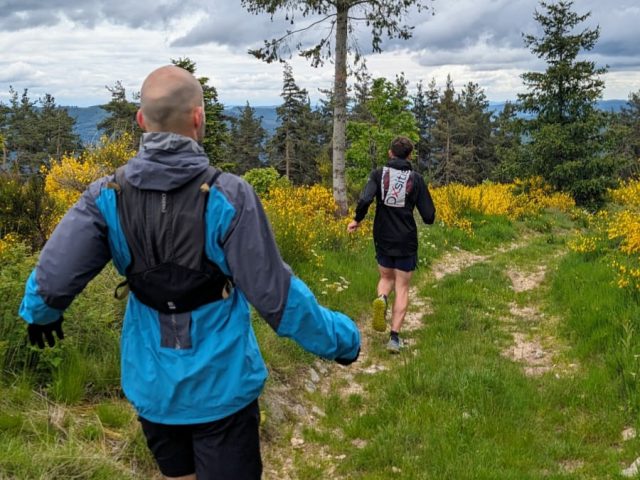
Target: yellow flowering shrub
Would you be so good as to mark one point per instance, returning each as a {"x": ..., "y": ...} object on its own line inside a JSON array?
[
  {"x": 583, "y": 244},
  {"x": 540, "y": 195},
  {"x": 625, "y": 226},
  {"x": 305, "y": 220},
  {"x": 6, "y": 243},
  {"x": 451, "y": 204},
  {"x": 617, "y": 234},
  {"x": 67, "y": 179},
  {"x": 627, "y": 194},
  {"x": 454, "y": 202}
]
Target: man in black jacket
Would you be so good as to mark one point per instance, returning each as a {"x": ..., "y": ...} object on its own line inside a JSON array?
[{"x": 397, "y": 190}]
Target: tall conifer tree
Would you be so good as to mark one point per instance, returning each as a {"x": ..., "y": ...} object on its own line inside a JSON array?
[
  {"x": 247, "y": 140},
  {"x": 566, "y": 141}
]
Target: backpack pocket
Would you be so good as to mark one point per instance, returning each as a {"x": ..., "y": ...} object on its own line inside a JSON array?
[{"x": 175, "y": 330}]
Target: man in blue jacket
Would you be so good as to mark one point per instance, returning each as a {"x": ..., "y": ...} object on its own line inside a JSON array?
[
  {"x": 398, "y": 190},
  {"x": 197, "y": 249}
]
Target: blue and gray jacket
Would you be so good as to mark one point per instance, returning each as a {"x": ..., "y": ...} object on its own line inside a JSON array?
[{"x": 215, "y": 369}]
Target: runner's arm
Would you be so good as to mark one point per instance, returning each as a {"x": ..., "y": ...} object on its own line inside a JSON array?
[
  {"x": 425, "y": 203},
  {"x": 367, "y": 196},
  {"x": 76, "y": 252}
]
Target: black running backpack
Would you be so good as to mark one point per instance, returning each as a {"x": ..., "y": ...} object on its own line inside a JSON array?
[{"x": 165, "y": 232}]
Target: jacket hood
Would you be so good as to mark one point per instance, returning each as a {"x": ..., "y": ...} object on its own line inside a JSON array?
[
  {"x": 399, "y": 163},
  {"x": 165, "y": 161}
]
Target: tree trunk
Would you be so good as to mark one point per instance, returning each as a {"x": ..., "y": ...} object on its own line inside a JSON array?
[
  {"x": 340, "y": 109},
  {"x": 287, "y": 156},
  {"x": 448, "y": 156}
]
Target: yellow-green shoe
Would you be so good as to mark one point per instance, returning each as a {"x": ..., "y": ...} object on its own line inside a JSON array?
[{"x": 379, "y": 321}]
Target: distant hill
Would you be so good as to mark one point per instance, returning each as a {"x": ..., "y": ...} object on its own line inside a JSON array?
[
  {"x": 605, "y": 105},
  {"x": 88, "y": 117},
  {"x": 86, "y": 120},
  {"x": 268, "y": 115}
]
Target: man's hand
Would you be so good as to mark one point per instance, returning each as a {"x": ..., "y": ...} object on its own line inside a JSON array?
[
  {"x": 38, "y": 333},
  {"x": 353, "y": 226}
]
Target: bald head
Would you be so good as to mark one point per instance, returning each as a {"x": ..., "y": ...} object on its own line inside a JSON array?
[{"x": 171, "y": 101}]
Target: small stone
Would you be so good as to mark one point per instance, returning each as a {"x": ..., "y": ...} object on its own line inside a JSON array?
[
  {"x": 299, "y": 410},
  {"x": 628, "y": 434},
  {"x": 309, "y": 387},
  {"x": 633, "y": 469},
  {"x": 296, "y": 442},
  {"x": 321, "y": 368},
  {"x": 315, "y": 378},
  {"x": 317, "y": 411},
  {"x": 340, "y": 457},
  {"x": 359, "y": 443},
  {"x": 396, "y": 470}
]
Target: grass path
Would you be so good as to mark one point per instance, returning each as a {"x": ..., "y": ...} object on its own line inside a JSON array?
[{"x": 487, "y": 387}]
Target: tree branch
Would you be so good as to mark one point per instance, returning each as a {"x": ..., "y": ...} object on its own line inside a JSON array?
[{"x": 293, "y": 32}]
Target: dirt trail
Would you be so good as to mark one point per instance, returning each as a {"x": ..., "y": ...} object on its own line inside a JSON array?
[
  {"x": 537, "y": 352},
  {"x": 330, "y": 378}
]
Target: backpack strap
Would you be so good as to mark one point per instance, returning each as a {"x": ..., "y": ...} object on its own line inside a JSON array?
[{"x": 206, "y": 186}]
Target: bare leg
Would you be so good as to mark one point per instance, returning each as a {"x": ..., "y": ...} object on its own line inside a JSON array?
[
  {"x": 401, "y": 301},
  {"x": 387, "y": 280}
]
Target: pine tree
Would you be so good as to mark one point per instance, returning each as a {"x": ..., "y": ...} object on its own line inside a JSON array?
[
  {"x": 121, "y": 115},
  {"x": 37, "y": 131},
  {"x": 449, "y": 153},
  {"x": 566, "y": 141},
  {"x": 425, "y": 107},
  {"x": 216, "y": 139},
  {"x": 56, "y": 129},
  {"x": 476, "y": 124},
  {"x": 361, "y": 95},
  {"x": 4, "y": 119},
  {"x": 507, "y": 138},
  {"x": 623, "y": 134},
  {"x": 297, "y": 142},
  {"x": 247, "y": 140}
]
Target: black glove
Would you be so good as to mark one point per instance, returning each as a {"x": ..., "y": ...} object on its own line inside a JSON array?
[
  {"x": 38, "y": 333},
  {"x": 345, "y": 362}
]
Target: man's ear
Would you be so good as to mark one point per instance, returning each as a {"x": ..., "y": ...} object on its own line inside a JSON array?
[
  {"x": 198, "y": 117},
  {"x": 140, "y": 120}
]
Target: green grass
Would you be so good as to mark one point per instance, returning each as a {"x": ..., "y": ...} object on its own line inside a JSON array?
[
  {"x": 459, "y": 409},
  {"x": 453, "y": 407}
]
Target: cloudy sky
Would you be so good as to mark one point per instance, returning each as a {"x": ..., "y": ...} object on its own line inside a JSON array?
[{"x": 74, "y": 48}]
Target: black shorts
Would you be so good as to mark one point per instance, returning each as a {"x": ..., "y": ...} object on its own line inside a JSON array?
[
  {"x": 406, "y": 264},
  {"x": 225, "y": 448}
]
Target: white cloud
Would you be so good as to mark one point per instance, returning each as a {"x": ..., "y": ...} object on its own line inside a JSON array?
[
  {"x": 18, "y": 72},
  {"x": 73, "y": 48}
]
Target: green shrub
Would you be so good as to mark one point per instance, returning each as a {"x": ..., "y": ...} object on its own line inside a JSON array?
[
  {"x": 264, "y": 179},
  {"x": 17, "y": 262}
]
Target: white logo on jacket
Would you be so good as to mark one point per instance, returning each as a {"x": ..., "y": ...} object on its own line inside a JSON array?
[{"x": 395, "y": 185}]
